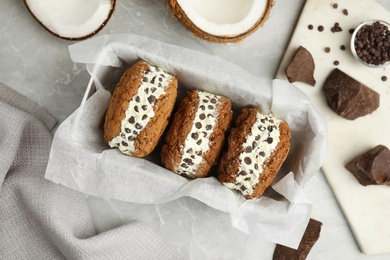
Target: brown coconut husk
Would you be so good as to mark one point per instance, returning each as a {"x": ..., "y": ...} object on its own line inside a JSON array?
[
  {"x": 182, "y": 17},
  {"x": 113, "y": 6}
]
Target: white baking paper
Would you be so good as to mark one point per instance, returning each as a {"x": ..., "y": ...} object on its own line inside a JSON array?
[{"x": 80, "y": 159}]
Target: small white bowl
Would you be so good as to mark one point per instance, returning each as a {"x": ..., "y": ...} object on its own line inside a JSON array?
[{"x": 369, "y": 22}]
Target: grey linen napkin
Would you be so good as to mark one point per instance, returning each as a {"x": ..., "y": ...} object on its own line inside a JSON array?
[{"x": 42, "y": 220}]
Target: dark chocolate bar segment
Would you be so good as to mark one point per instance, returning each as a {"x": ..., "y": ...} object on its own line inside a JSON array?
[
  {"x": 348, "y": 97},
  {"x": 373, "y": 167},
  {"x": 310, "y": 237},
  {"x": 301, "y": 67}
]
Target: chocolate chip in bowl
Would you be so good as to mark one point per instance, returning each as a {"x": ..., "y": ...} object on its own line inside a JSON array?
[{"x": 370, "y": 43}]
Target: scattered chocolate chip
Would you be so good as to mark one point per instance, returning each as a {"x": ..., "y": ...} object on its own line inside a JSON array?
[
  {"x": 248, "y": 160},
  {"x": 127, "y": 130},
  {"x": 384, "y": 78},
  {"x": 144, "y": 107},
  {"x": 243, "y": 188},
  {"x": 336, "y": 28},
  {"x": 262, "y": 128},
  {"x": 138, "y": 126},
  {"x": 320, "y": 28},
  {"x": 153, "y": 89},
  {"x": 160, "y": 79},
  {"x": 188, "y": 160},
  {"x": 342, "y": 47},
  {"x": 210, "y": 115},
  {"x": 372, "y": 167},
  {"x": 213, "y": 100},
  {"x": 335, "y": 6},
  {"x": 209, "y": 127},
  {"x": 310, "y": 26},
  {"x": 270, "y": 140},
  {"x": 189, "y": 150},
  {"x": 327, "y": 49},
  {"x": 184, "y": 165},
  {"x": 254, "y": 144},
  {"x": 256, "y": 166},
  {"x": 124, "y": 143},
  {"x": 145, "y": 79},
  {"x": 198, "y": 125},
  {"x": 336, "y": 62},
  {"x": 262, "y": 153},
  {"x": 210, "y": 107},
  {"x": 136, "y": 109},
  {"x": 247, "y": 178},
  {"x": 137, "y": 99},
  {"x": 194, "y": 135},
  {"x": 144, "y": 117},
  {"x": 199, "y": 153},
  {"x": 131, "y": 120},
  {"x": 301, "y": 67},
  {"x": 345, "y": 11},
  {"x": 199, "y": 142},
  {"x": 202, "y": 107},
  {"x": 205, "y": 101},
  {"x": 204, "y": 134},
  {"x": 351, "y": 31},
  {"x": 147, "y": 90},
  {"x": 270, "y": 128},
  {"x": 131, "y": 138},
  {"x": 202, "y": 116},
  {"x": 248, "y": 149}
]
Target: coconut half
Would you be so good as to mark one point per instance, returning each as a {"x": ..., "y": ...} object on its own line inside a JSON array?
[
  {"x": 221, "y": 20},
  {"x": 71, "y": 19}
]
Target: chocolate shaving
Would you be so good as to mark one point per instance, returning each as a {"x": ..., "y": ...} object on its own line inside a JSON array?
[{"x": 301, "y": 67}]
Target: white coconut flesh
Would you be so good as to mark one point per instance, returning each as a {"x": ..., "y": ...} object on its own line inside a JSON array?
[
  {"x": 71, "y": 18},
  {"x": 224, "y": 17}
]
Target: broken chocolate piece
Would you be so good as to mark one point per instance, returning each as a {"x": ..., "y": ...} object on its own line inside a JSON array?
[
  {"x": 348, "y": 97},
  {"x": 301, "y": 67},
  {"x": 373, "y": 167},
  {"x": 310, "y": 237}
]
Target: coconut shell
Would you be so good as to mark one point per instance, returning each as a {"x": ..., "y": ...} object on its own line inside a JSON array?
[
  {"x": 183, "y": 18},
  {"x": 113, "y": 6}
]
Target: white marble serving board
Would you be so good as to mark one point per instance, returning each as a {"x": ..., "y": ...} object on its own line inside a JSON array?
[{"x": 366, "y": 209}]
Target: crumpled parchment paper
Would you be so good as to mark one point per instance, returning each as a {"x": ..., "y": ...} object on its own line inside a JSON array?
[{"x": 80, "y": 159}]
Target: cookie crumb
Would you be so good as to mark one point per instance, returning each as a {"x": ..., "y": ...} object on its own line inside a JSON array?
[
  {"x": 342, "y": 47},
  {"x": 320, "y": 28},
  {"x": 335, "y": 6},
  {"x": 310, "y": 26},
  {"x": 345, "y": 11},
  {"x": 327, "y": 49},
  {"x": 336, "y": 62},
  {"x": 351, "y": 31},
  {"x": 384, "y": 78}
]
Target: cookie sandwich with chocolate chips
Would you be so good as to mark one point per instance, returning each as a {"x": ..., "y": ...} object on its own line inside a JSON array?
[
  {"x": 139, "y": 109},
  {"x": 258, "y": 144},
  {"x": 197, "y": 133}
]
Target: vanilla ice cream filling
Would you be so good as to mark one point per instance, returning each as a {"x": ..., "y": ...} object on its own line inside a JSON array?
[
  {"x": 140, "y": 108},
  {"x": 257, "y": 148},
  {"x": 198, "y": 139}
]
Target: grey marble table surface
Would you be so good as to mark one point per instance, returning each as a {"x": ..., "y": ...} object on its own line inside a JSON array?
[{"x": 38, "y": 65}]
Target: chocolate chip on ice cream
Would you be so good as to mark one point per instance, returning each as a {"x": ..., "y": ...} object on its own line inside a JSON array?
[
  {"x": 373, "y": 167},
  {"x": 348, "y": 97}
]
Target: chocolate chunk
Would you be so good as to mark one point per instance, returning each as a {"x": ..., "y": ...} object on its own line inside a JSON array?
[
  {"x": 348, "y": 97},
  {"x": 373, "y": 167},
  {"x": 301, "y": 67},
  {"x": 270, "y": 140},
  {"x": 131, "y": 120},
  {"x": 310, "y": 237},
  {"x": 202, "y": 116}
]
